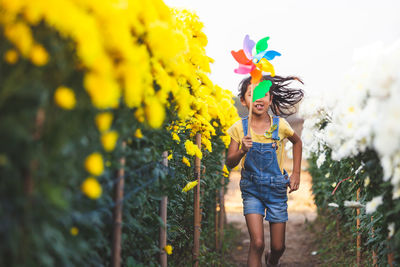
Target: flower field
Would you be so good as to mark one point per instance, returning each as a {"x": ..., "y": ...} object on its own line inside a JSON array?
[
  {"x": 92, "y": 93},
  {"x": 351, "y": 139}
]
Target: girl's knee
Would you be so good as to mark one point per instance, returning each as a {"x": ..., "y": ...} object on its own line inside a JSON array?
[
  {"x": 278, "y": 249},
  {"x": 258, "y": 244}
]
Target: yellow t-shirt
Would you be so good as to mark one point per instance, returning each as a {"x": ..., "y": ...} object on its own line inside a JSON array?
[{"x": 237, "y": 134}]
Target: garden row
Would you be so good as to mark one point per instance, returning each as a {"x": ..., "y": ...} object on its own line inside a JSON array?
[
  {"x": 92, "y": 95},
  {"x": 352, "y": 141}
]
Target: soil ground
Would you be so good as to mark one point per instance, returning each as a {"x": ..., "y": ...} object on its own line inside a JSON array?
[{"x": 300, "y": 240}]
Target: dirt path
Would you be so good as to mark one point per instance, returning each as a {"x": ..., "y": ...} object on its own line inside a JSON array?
[{"x": 299, "y": 240}]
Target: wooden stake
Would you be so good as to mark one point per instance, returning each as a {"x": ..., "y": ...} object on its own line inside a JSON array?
[
  {"x": 222, "y": 206},
  {"x": 390, "y": 259},
  {"x": 217, "y": 208},
  {"x": 250, "y": 109},
  {"x": 163, "y": 215},
  {"x": 196, "y": 234},
  {"x": 119, "y": 195},
  {"x": 358, "y": 232},
  {"x": 390, "y": 255},
  {"x": 337, "y": 226},
  {"x": 374, "y": 259}
]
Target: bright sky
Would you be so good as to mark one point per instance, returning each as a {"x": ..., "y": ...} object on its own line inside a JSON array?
[{"x": 316, "y": 38}]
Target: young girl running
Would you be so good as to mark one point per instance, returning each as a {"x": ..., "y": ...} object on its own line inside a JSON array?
[{"x": 260, "y": 150}]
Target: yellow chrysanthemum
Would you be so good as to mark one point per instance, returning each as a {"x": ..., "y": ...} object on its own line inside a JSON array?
[
  {"x": 155, "y": 113},
  {"x": 94, "y": 164},
  {"x": 139, "y": 115},
  {"x": 169, "y": 156},
  {"x": 192, "y": 149},
  {"x": 91, "y": 188},
  {"x": 104, "y": 121},
  {"x": 109, "y": 140},
  {"x": 138, "y": 133},
  {"x": 186, "y": 161},
  {"x": 189, "y": 186},
  {"x": 225, "y": 171},
  {"x": 11, "y": 56},
  {"x": 74, "y": 231},
  {"x": 65, "y": 97},
  {"x": 176, "y": 138},
  {"x": 39, "y": 55},
  {"x": 168, "y": 249},
  {"x": 226, "y": 139}
]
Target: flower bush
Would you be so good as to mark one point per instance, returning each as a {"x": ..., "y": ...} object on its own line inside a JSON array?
[
  {"x": 79, "y": 80},
  {"x": 353, "y": 133}
]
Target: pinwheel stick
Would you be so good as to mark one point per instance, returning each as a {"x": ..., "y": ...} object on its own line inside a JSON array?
[{"x": 252, "y": 85}]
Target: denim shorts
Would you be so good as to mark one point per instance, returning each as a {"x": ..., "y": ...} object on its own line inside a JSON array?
[{"x": 265, "y": 195}]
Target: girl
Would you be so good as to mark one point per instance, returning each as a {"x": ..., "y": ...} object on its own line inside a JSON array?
[{"x": 264, "y": 182}]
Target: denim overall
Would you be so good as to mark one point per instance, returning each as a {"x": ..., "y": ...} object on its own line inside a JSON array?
[{"x": 263, "y": 185}]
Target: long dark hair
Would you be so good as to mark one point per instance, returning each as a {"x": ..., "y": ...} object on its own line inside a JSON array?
[{"x": 285, "y": 98}]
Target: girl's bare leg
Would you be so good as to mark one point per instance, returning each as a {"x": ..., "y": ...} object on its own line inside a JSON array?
[
  {"x": 277, "y": 232},
  {"x": 256, "y": 230}
]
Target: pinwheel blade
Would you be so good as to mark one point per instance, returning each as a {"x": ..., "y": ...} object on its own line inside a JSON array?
[
  {"x": 240, "y": 57},
  {"x": 262, "y": 45},
  {"x": 244, "y": 69},
  {"x": 261, "y": 89},
  {"x": 265, "y": 65},
  {"x": 271, "y": 54},
  {"x": 255, "y": 76},
  {"x": 248, "y": 46}
]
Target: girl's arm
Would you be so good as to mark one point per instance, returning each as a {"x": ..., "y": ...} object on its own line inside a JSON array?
[
  {"x": 297, "y": 151},
  {"x": 235, "y": 154}
]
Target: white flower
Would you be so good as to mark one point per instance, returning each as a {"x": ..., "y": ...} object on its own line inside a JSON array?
[
  {"x": 391, "y": 229},
  {"x": 373, "y": 204},
  {"x": 367, "y": 181},
  {"x": 333, "y": 205},
  {"x": 321, "y": 160},
  {"x": 327, "y": 175},
  {"x": 396, "y": 192},
  {"x": 353, "y": 204}
]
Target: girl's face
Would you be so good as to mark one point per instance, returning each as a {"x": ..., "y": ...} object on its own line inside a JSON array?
[{"x": 260, "y": 106}]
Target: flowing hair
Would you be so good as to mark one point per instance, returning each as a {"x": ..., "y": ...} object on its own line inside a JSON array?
[{"x": 284, "y": 98}]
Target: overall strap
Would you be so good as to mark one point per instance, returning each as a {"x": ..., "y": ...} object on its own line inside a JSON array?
[
  {"x": 275, "y": 134},
  {"x": 245, "y": 124}
]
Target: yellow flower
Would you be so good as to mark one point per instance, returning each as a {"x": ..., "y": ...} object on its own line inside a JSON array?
[
  {"x": 103, "y": 121},
  {"x": 192, "y": 149},
  {"x": 91, "y": 188},
  {"x": 103, "y": 90},
  {"x": 176, "y": 138},
  {"x": 168, "y": 249},
  {"x": 74, "y": 231},
  {"x": 189, "y": 186},
  {"x": 169, "y": 157},
  {"x": 155, "y": 113},
  {"x": 109, "y": 140},
  {"x": 65, "y": 97},
  {"x": 39, "y": 55},
  {"x": 139, "y": 115},
  {"x": 186, "y": 161},
  {"x": 11, "y": 56},
  {"x": 225, "y": 171},
  {"x": 94, "y": 164},
  {"x": 138, "y": 133},
  {"x": 20, "y": 34},
  {"x": 226, "y": 139}
]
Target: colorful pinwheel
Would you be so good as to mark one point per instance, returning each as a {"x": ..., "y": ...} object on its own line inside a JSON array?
[{"x": 255, "y": 60}]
